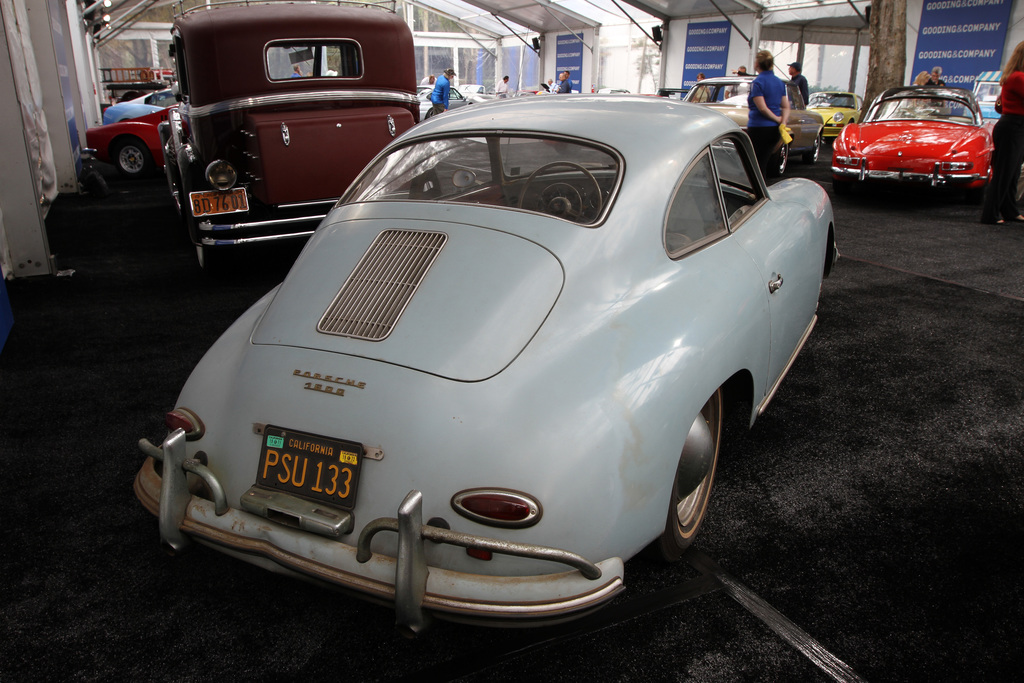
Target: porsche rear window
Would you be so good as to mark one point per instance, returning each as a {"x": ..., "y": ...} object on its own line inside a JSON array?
[
  {"x": 825, "y": 99},
  {"x": 564, "y": 178},
  {"x": 314, "y": 59}
]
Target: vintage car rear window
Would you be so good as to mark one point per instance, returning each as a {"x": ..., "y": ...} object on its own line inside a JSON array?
[
  {"x": 314, "y": 59},
  {"x": 831, "y": 99},
  {"x": 718, "y": 92},
  {"x": 568, "y": 179},
  {"x": 923, "y": 108}
]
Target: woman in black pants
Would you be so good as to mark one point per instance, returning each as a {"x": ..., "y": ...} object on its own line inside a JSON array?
[
  {"x": 769, "y": 108},
  {"x": 1008, "y": 136}
]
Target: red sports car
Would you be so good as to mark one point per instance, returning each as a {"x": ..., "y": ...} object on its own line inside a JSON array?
[
  {"x": 133, "y": 146},
  {"x": 917, "y": 135}
]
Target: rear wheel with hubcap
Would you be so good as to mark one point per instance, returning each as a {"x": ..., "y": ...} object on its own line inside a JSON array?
[
  {"x": 779, "y": 161},
  {"x": 687, "y": 507},
  {"x": 812, "y": 156}
]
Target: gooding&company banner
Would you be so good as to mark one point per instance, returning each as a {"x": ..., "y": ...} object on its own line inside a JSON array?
[
  {"x": 707, "y": 48},
  {"x": 569, "y": 57},
  {"x": 964, "y": 37}
]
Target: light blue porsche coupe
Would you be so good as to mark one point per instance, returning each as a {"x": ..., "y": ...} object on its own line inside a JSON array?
[{"x": 501, "y": 364}]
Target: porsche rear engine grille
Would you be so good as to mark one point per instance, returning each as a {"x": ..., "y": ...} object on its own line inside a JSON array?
[{"x": 380, "y": 287}]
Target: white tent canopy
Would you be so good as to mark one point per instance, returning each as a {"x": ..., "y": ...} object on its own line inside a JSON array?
[{"x": 499, "y": 18}]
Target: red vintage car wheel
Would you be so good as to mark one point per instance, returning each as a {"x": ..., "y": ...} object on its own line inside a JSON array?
[{"x": 131, "y": 158}]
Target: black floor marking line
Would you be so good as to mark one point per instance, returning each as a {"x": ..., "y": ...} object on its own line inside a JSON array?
[
  {"x": 713, "y": 578},
  {"x": 606, "y": 617},
  {"x": 776, "y": 621}
]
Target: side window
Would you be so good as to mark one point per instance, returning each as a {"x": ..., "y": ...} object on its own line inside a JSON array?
[
  {"x": 740, "y": 190},
  {"x": 179, "y": 63},
  {"x": 695, "y": 216},
  {"x": 796, "y": 100}
]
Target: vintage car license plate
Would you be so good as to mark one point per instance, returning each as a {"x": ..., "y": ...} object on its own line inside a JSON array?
[
  {"x": 311, "y": 466},
  {"x": 212, "y": 202}
]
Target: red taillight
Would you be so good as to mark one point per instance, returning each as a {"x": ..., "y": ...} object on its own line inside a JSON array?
[
  {"x": 497, "y": 507},
  {"x": 183, "y": 418},
  {"x": 479, "y": 553}
]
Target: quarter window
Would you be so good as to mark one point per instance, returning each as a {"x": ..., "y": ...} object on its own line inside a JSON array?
[
  {"x": 740, "y": 191},
  {"x": 335, "y": 59},
  {"x": 695, "y": 216}
]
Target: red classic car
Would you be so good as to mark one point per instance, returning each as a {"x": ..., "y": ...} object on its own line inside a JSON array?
[
  {"x": 282, "y": 105},
  {"x": 133, "y": 145},
  {"x": 917, "y": 135}
]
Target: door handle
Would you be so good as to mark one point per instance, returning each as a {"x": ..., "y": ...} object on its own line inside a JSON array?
[{"x": 775, "y": 285}]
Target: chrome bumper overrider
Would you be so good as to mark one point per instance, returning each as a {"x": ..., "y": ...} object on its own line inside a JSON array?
[
  {"x": 935, "y": 178},
  {"x": 415, "y": 589},
  {"x": 250, "y": 232}
]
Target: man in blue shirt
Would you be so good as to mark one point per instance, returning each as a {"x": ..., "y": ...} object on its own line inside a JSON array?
[
  {"x": 564, "y": 84},
  {"x": 442, "y": 90}
]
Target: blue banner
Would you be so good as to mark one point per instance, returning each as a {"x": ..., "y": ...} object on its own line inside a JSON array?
[
  {"x": 569, "y": 57},
  {"x": 707, "y": 49},
  {"x": 6, "y": 316},
  {"x": 964, "y": 37}
]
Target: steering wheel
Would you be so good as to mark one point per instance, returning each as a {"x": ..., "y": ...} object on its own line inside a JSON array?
[{"x": 561, "y": 198}]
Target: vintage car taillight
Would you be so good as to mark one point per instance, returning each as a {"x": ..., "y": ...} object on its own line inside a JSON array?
[
  {"x": 957, "y": 165},
  {"x": 184, "y": 418},
  {"x": 497, "y": 507},
  {"x": 221, "y": 175}
]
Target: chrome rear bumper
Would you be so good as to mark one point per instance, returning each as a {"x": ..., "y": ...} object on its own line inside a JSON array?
[
  {"x": 935, "y": 178},
  {"x": 415, "y": 589}
]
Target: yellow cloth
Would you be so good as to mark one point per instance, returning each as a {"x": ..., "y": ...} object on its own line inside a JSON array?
[{"x": 786, "y": 133}]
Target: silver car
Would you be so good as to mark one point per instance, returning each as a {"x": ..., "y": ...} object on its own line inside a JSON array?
[
  {"x": 456, "y": 100},
  {"x": 501, "y": 365}
]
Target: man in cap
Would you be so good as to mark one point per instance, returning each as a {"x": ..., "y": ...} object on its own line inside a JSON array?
[
  {"x": 799, "y": 80},
  {"x": 442, "y": 90}
]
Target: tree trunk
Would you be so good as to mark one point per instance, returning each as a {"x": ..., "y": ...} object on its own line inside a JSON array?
[{"x": 887, "y": 63}]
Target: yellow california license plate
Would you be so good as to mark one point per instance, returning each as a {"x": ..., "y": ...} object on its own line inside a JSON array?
[
  {"x": 214, "y": 202},
  {"x": 311, "y": 466}
]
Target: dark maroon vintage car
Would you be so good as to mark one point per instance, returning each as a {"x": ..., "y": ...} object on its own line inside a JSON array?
[{"x": 281, "y": 106}]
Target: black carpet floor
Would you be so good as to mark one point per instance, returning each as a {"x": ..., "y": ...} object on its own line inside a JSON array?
[{"x": 868, "y": 526}]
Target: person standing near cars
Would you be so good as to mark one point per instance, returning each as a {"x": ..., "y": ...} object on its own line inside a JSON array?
[
  {"x": 1000, "y": 203},
  {"x": 502, "y": 90},
  {"x": 799, "y": 80},
  {"x": 769, "y": 110},
  {"x": 564, "y": 84},
  {"x": 442, "y": 91}
]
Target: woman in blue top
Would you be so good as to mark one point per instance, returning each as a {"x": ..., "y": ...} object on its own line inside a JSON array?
[{"x": 769, "y": 108}]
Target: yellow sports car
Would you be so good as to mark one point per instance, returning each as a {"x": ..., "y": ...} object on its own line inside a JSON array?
[{"x": 837, "y": 109}]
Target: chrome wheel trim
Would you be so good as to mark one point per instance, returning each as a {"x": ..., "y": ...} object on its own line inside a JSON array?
[
  {"x": 690, "y": 510},
  {"x": 131, "y": 159}
]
